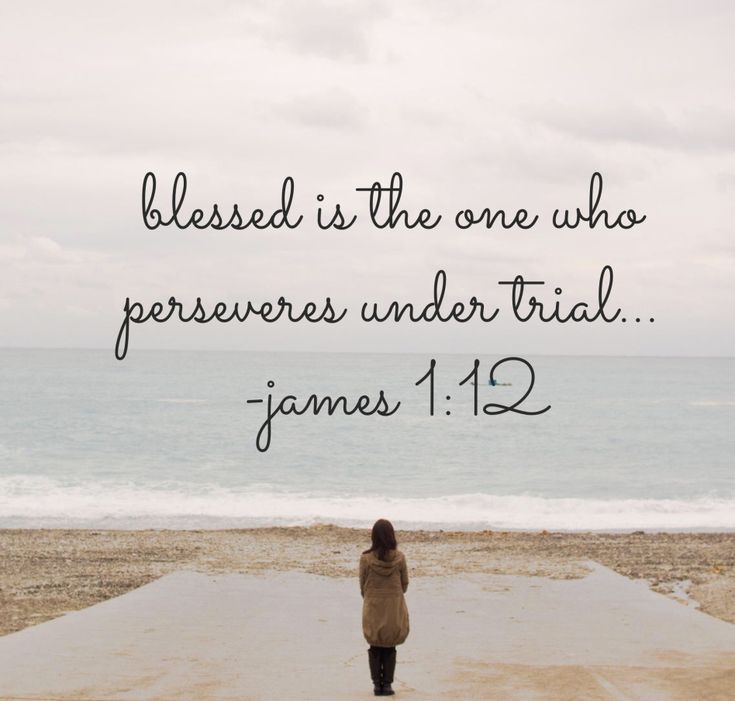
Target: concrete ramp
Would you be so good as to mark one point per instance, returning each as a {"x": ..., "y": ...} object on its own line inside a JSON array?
[{"x": 292, "y": 636}]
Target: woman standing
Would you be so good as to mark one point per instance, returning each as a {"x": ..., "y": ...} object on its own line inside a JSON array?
[{"x": 383, "y": 581}]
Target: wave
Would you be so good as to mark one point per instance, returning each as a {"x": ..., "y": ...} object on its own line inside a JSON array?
[{"x": 31, "y": 501}]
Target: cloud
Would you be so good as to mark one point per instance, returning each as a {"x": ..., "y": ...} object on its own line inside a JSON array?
[
  {"x": 332, "y": 109},
  {"x": 725, "y": 181},
  {"x": 477, "y": 103},
  {"x": 701, "y": 129},
  {"x": 332, "y": 30},
  {"x": 30, "y": 251}
]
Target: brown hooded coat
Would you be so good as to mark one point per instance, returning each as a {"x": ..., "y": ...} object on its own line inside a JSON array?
[{"x": 384, "y": 611}]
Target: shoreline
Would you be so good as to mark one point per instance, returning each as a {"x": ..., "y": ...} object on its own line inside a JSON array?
[
  {"x": 402, "y": 527},
  {"x": 48, "y": 572}
]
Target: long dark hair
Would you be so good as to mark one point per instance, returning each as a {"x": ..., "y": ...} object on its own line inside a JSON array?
[{"x": 384, "y": 539}]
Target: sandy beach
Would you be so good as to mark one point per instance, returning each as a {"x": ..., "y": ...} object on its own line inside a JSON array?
[{"x": 495, "y": 615}]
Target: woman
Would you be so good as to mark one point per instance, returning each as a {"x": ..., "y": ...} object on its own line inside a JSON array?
[{"x": 383, "y": 581}]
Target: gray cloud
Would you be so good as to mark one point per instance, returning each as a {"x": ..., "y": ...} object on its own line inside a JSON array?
[
  {"x": 332, "y": 109},
  {"x": 333, "y": 30}
]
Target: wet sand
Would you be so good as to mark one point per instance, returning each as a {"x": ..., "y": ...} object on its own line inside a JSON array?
[{"x": 46, "y": 573}]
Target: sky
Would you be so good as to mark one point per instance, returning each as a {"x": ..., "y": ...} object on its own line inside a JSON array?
[{"x": 477, "y": 104}]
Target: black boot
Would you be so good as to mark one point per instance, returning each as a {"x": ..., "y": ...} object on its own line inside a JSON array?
[
  {"x": 388, "y": 664},
  {"x": 374, "y": 660}
]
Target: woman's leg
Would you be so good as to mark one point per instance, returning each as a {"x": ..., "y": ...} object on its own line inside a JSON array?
[
  {"x": 388, "y": 668},
  {"x": 389, "y": 664},
  {"x": 374, "y": 659}
]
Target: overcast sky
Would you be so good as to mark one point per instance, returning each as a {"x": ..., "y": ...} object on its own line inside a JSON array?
[{"x": 498, "y": 104}]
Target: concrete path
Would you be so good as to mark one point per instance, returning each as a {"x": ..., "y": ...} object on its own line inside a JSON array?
[{"x": 292, "y": 636}]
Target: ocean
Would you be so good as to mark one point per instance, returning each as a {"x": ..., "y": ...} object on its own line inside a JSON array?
[{"x": 166, "y": 439}]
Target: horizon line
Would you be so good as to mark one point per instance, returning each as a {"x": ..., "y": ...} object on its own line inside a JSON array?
[{"x": 366, "y": 352}]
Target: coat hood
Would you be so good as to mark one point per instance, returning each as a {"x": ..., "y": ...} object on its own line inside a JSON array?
[{"x": 385, "y": 567}]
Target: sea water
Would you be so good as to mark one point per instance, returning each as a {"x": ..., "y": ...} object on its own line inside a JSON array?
[{"x": 167, "y": 439}]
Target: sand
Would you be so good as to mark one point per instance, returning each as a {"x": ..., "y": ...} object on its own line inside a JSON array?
[{"x": 45, "y": 573}]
